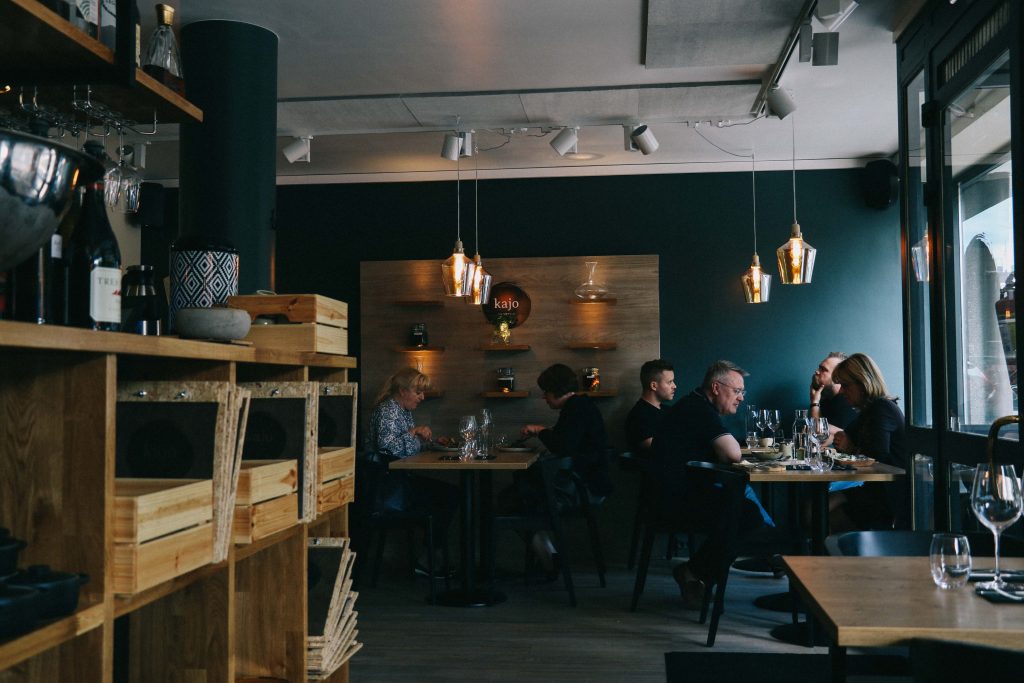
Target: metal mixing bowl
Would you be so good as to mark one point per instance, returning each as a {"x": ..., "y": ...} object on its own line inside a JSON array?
[{"x": 37, "y": 182}]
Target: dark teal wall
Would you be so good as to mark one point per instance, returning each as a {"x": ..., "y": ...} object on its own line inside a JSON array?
[{"x": 700, "y": 226}]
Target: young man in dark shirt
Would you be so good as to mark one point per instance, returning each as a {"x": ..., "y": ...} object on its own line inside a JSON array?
[
  {"x": 825, "y": 399},
  {"x": 658, "y": 381}
]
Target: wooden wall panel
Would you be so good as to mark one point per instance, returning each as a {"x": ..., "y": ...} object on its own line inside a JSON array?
[{"x": 463, "y": 371}]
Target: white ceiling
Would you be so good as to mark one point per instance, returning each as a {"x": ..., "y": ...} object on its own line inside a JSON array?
[{"x": 377, "y": 83}]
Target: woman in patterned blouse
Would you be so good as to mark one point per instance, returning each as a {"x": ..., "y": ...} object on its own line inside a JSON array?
[{"x": 394, "y": 433}]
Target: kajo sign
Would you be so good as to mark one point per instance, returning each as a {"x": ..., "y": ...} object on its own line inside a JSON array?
[{"x": 508, "y": 304}]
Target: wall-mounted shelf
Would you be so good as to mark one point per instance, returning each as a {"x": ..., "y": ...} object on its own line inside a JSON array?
[
  {"x": 505, "y": 394},
  {"x": 595, "y": 301},
  {"x": 598, "y": 394},
  {"x": 38, "y": 47},
  {"x": 504, "y": 348},
  {"x": 592, "y": 346},
  {"x": 437, "y": 393},
  {"x": 420, "y": 303},
  {"x": 420, "y": 349}
]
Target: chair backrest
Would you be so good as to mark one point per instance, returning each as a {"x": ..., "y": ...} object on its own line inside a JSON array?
[
  {"x": 914, "y": 544},
  {"x": 724, "y": 510},
  {"x": 371, "y": 472},
  {"x": 943, "y": 661}
]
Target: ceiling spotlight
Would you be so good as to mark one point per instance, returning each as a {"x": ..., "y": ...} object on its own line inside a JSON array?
[
  {"x": 452, "y": 146},
  {"x": 825, "y": 50},
  {"x": 644, "y": 139},
  {"x": 466, "y": 142},
  {"x": 565, "y": 141},
  {"x": 779, "y": 102},
  {"x": 832, "y": 13},
  {"x": 627, "y": 139},
  {"x": 298, "y": 150}
]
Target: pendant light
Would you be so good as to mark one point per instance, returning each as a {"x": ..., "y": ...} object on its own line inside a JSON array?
[
  {"x": 480, "y": 280},
  {"x": 454, "y": 270},
  {"x": 796, "y": 257},
  {"x": 757, "y": 284}
]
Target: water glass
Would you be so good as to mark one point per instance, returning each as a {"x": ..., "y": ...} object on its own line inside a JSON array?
[
  {"x": 950, "y": 558},
  {"x": 752, "y": 440}
]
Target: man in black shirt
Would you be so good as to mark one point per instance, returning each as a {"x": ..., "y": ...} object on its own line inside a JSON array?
[
  {"x": 693, "y": 429},
  {"x": 658, "y": 380},
  {"x": 825, "y": 398}
]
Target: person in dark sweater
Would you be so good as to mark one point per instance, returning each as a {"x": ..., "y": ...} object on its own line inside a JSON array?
[
  {"x": 879, "y": 432},
  {"x": 658, "y": 382},
  {"x": 579, "y": 436}
]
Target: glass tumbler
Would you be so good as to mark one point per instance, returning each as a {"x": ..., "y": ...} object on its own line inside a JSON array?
[{"x": 950, "y": 558}]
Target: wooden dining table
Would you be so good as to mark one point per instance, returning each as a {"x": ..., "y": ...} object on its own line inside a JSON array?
[
  {"x": 476, "y": 505},
  {"x": 889, "y": 601}
]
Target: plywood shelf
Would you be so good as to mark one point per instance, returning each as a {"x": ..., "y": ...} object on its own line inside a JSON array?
[
  {"x": 505, "y": 394},
  {"x": 39, "y": 48},
  {"x": 504, "y": 348},
  {"x": 51, "y": 635},
  {"x": 420, "y": 349},
  {"x": 609, "y": 301},
  {"x": 592, "y": 346},
  {"x": 420, "y": 303}
]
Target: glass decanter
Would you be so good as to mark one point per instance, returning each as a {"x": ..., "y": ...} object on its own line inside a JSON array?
[
  {"x": 162, "y": 60},
  {"x": 591, "y": 289}
]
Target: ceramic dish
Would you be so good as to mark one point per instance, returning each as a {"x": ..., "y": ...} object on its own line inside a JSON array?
[
  {"x": 445, "y": 449},
  {"x": 855, "y": 460},
  {"x": 515, "y": 449}
]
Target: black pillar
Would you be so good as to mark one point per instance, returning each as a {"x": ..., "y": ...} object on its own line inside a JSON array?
[{"x": 227, "y": 166}]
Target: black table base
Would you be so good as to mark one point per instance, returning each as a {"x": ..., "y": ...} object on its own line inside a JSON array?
[
  {"x": 797, "y": 634},
  {"x": 477, "y": 598},
  {"x": 776, "y": 602}
]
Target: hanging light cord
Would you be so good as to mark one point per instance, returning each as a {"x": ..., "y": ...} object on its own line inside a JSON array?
[
  {"x": 476, "y": 198},
  {"x": 458, "y": 196},
  {"x": 753, "y": 189},
  {"x": 792, "y": 122}
]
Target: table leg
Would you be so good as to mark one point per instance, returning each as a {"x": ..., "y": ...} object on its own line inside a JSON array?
[
  {"x": 837, "y": 658},
  {"x": 469, "y": 595},
  {"x": 819, "y": 518}
]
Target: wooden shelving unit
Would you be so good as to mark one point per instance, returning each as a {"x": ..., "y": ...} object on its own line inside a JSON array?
[
  {"x": 420, "y": 349},
  {"x": 592, "y": 346},
  {"x": 39, "y": 48},
  {"x": 505, "y": 394},
  {"x": 504, "y": 348},
  {"x": 58, "y": 393}
]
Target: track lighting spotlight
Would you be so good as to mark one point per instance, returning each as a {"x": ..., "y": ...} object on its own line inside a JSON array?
[
  {"x": 565, "y": 140},
  {"x": 298, "y": 150},
  {"x": 627, "y": 139},
  {"x": 644, "y": 139},
  {"x": 452, "y": 146},
  {"x": 779, "y": 102},
  {"x": 466, "y": 142}
]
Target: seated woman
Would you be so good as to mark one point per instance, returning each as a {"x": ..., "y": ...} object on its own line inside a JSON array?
[
  {"x": 577, "y": 435},
  {"x": 877, "y": 432},
  {"x": 393, "y": 433}
]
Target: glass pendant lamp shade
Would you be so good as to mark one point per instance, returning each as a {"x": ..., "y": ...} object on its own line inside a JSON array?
[
  {"x": 757, "y": 284},
  {"x": 796, "y": 259},
  {"x": 480, "y": 283},
  {"x": 455, "y": 272}
]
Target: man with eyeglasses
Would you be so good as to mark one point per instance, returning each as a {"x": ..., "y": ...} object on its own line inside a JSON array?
[{"x": 693, "y": 429}]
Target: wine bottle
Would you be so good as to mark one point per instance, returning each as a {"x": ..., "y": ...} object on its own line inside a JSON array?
[
  {"x": 36, "y": 287},
  {"x": 94, "y": 277}
]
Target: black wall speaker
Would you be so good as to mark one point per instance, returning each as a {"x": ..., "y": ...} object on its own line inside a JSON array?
[
  {"x": 151, "y": 205},
  {"x": 165, "y": 440},
  {"x": 880, "y": 182}
]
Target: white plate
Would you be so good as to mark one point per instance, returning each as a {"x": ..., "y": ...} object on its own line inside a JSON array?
[
  {"x": 445, "y": 449},
  {"x": 515, "y": 449}
]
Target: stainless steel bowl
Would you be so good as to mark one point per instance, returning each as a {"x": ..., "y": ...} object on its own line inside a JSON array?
[{"x": 37, "y": 181}]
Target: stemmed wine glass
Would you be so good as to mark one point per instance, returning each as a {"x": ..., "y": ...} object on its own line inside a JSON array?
[
  {"x": 773, "y": 420},
  {"x": 467, "y": 428},
  {"x": 996, "y": 502},
  {"x": 761, "y": 419},
  {"x": 817, "y": 434}
]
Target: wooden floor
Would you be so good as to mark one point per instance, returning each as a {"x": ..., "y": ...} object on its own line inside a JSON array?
[{"x": 536, "y": 636}]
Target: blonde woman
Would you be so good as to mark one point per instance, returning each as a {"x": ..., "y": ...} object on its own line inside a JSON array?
[
  {"x": 394, "y": 434},
  {"x": 879, "y": 432}
]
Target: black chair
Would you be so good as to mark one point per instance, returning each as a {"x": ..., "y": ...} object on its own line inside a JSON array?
[
  {"x": 721, "y": 526},
  {"x": 914, "y": 544},
  {"x": 652, "y": 523},
  {"x": 646, "y": 493},
  {"x": 549, "y": 518},
  {"x": 379, "y": 494},
  {"x": 936, "y": 661}
]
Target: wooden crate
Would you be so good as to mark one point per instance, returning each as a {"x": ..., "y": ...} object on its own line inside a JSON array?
[
  {"x": 253, "y": 522},
  {"x": 145, "y": 509},
  {"x": 261, "y": 480},
  {"x": 334, "y": 494},
  {"x": 138, "y": 566},
  {"x": 335, "y": 463},
  {"x": 296, "y": 308},
  {"x": 302, "y": 337}
]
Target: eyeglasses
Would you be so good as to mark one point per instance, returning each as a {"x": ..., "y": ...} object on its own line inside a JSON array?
[{"x": 739, "y": 392}]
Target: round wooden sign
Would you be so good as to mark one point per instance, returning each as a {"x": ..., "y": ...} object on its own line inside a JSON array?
[{"x": 508, "y": 303}]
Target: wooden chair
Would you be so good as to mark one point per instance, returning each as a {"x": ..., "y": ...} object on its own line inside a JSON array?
[{"x": 375, "y": 519}]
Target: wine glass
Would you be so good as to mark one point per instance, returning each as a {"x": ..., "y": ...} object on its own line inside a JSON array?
[
  {"x": 467, "y": 428},
  {"x": 996, "y": 502},
  {"x": 774, "y": 420},
  {"x": 761, "y": 419},
  {"x": 484, "y": 423},
  {"x": 817, "y": 435},
  {"x": 751, "y": 421}
]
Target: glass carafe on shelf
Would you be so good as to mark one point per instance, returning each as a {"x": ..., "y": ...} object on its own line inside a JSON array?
[
  {"x": 591, "y": 289},
  {"x": 162, "y": 60}
]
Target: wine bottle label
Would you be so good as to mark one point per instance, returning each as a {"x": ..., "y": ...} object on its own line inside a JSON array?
[
  {"x": 56, "y": 246},
  {"x": 105, "y": 295}
]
